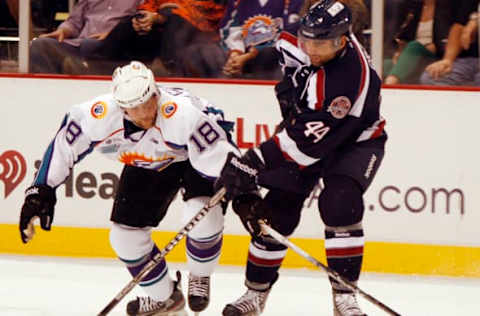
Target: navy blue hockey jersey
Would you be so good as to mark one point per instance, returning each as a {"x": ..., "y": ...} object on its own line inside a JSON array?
[{"x": 339, "y": 103}]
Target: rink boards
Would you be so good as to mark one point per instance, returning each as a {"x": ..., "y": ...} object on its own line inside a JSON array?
[{"x": 421, "y": 211}]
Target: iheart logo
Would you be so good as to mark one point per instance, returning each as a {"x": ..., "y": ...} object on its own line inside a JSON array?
[{"x": 12, "y": 170}]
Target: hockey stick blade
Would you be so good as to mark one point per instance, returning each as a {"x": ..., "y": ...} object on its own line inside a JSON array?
[
  {"x": 267, "y": 230},
  {"x": 214, "y": 200}
]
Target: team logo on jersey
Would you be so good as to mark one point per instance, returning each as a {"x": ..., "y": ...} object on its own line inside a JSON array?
[
  {"x": 140, "y": 160},
  {"x": 168, "y": 109},
  {"x": 12, "y": 170},
  {"x": 99, "y": 110},
  {"x": 339, "y": 107},
  {"x": 260, "y": 29}
]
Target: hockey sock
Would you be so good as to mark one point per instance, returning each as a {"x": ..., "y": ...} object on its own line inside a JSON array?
[
  {"x": 157, "y": 284},
  {"x": 344, "y": 253},
  {"x": 203, "y": 253},
  {"x": 264, "y": 260}
]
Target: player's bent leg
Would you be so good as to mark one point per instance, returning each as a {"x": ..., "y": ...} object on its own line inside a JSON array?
[
  {"x": 204, "y": 244},
  {"x": 265, "y": 254},
  {"x": 135, "y": 248},
  {"x": 341, "y": 208},
  {"x": 265, "y": 257}
]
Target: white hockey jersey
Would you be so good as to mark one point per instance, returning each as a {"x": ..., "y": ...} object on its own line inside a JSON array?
[{"x": 186, "y": 128}]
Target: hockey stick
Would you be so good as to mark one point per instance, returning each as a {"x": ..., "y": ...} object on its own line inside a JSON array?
[
  {"x": 332, "y": 273},
  {"x": 214, "y": 200}
]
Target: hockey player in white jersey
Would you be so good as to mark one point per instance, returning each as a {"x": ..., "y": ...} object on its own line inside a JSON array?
[{"x": 167, "y": 139}]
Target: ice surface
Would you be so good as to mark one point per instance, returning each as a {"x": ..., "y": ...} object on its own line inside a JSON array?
[{"x": 45, "y": 286}]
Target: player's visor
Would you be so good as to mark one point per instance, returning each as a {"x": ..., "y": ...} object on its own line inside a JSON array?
[{"x": 310, "y": 44}]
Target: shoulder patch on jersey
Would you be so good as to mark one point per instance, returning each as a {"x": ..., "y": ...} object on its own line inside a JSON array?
[
  {"x": 340, "y": 107},
  {"x": 168, "y": 109},
  {"x": 99, "y": 110}
]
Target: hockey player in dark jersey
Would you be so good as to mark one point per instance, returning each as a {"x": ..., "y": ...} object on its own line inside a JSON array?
[{"x": 333, "y": 132}]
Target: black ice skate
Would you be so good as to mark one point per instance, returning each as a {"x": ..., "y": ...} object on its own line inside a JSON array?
[
  {"x": 345, "y": 304},
  {"x": 198, "y": 292},
  {"x": 251, "y": 303},
  {"x": 173, "y": 306}
]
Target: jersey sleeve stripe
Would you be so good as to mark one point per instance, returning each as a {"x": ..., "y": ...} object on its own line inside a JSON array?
[
  {"x": 373, "y": 131},
  {"x": 316, "y": 90},
  {"x": 320, "y": 89},
  {"x": 379, "y": 129},
  {"x": 285, "y": 155},
  {"x": 292, "y": 39},
  {"x": 86, "y": 152},
  {"x": 292, "y": 54},
  {"x": 42, "y": 174},
  {"x": 289, "y": 147},
  {"x": 357, "y": 107}
]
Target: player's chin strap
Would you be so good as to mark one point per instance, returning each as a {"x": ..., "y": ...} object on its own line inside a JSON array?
[
  {"x": 214, "y": 200},
  {"x": 267, "y": 230}
]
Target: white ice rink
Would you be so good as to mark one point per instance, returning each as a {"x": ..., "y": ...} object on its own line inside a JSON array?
[{"x": 36, "y": 286}]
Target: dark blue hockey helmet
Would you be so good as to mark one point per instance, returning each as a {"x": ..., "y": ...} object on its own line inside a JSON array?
[{"x": 326, "y": 19}]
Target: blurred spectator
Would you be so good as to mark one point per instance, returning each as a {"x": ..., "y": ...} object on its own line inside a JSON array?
[
  {"x": 161, "y": 30},
  {"x": 360, "y": 16},
  {"x": 13, "y": 9},
  {"x": 9, "y": 18},
  {"x": 247, "y": 33},
  {"x": 415, "y": 45},
  {"x": 80, "y": 35},
  {"x": 457, "y": 66},
  {"x": 393, "y": 19},
  {"x": 469, "y": 35}
]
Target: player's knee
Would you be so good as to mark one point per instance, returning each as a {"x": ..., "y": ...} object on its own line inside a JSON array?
[
  {"x": 286, "y": 208},
  {"x": 130, "y": 243},
  {"x": 210, "y": 225},
  {"x": 341, "y": 201}
]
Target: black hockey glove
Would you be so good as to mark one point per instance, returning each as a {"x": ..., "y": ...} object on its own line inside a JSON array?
[
  {"x": 39, "y": 202},
  {"x": 239, "y": 174},
  {"x": 287, "y": 96},
  {"x": 289, "y": 90},
  {"x": 251, "y": 208}
]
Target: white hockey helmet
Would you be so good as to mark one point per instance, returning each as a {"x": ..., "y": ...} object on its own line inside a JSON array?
[{"x": 133, "y": 84}]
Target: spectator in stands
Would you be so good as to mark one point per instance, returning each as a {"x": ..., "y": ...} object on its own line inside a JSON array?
[
  {"x": 360, "y": 16},
  {"x": 247, "y": 32},
  {"x": 161, "y": 30},
  {"x": 456, "y": 66},
  {"x": 13, "y": 7},
  {"x": 80, "y": 35},
  {"x": 9, "y": 17},
  {"x": 469, "y": 35},
  {"x": 415, "y": 41},
  {"x": 391, "y": 24}
]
